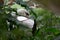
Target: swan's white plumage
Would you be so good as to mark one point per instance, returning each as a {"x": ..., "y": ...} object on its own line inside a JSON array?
[
  {"x": 21, "y": 18},
  {"x": 29, "y": 23},
  {"x": 25, "y": 21}
]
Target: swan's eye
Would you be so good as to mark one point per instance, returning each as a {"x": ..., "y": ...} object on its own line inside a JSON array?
[{"x": 27, "y": 13}]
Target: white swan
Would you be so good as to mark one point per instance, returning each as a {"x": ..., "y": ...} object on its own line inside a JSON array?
[{"x": 25, "y": 21}]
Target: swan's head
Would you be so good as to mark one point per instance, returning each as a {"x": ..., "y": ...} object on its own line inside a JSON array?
[{"x": 23, "y": 12}]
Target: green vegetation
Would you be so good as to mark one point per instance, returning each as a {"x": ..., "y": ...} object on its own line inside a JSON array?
[{"x": 47, "y": 26}]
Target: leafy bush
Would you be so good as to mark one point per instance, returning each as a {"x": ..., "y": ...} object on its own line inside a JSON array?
[{"x": 46, "y": 29}]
